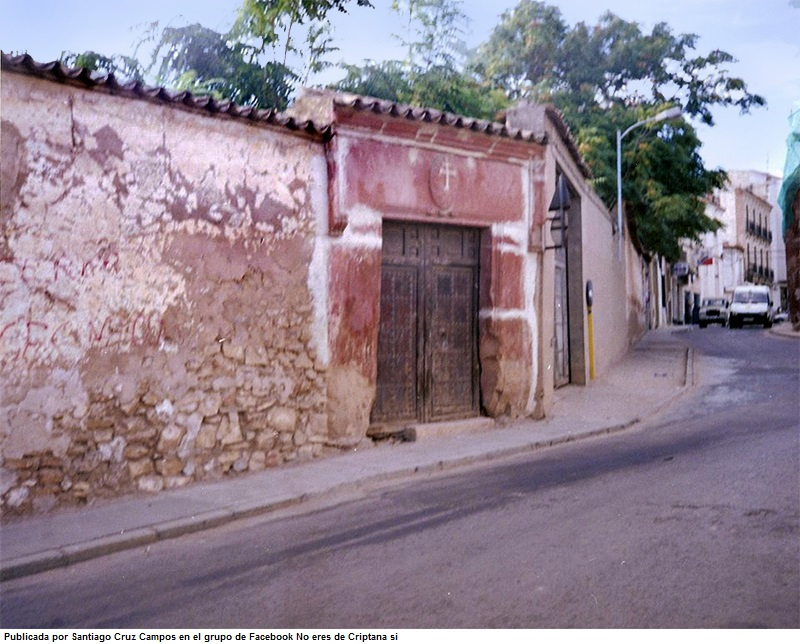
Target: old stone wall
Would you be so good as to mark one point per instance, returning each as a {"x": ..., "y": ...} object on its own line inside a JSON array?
[{"x": 157, "y": 320}]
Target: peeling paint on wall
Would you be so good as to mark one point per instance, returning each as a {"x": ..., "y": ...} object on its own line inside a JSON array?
[
  {"x": 158, "y": 311},
  {"x": 189, "y": 296}
]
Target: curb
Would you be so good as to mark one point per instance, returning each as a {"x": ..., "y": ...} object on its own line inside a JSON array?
[
  {"x": 787, "y": 332},
  {"x": 128, "y": 539}
]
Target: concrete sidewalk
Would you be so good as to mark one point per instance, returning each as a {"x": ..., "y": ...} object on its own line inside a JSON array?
[{"x": 650, "y": 377}]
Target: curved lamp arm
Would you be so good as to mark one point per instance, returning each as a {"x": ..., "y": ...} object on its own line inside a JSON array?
[{"x": 670, "y": 113}]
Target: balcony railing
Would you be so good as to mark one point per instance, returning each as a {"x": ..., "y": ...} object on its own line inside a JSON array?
[{"x": 759, "y": 231}]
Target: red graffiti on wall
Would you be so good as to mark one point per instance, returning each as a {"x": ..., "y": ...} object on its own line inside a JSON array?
[
  {"x": 105, "y": 261},
  {"x": 136, "y": 330},
  {"x": 25, "y": 334},
  {"x": 30, "y": 340}
]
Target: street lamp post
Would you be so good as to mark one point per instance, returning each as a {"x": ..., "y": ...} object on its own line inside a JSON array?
[{"x": 670, "y": 113}]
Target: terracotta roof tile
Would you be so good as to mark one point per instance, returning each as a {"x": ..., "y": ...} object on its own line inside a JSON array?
[
  {"x": 494, "y": 128},
  {"x": 428, "y": 115},
  {"x": 57, "y": 71}
]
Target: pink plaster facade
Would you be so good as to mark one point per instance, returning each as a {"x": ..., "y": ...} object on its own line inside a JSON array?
[{"x": 390, "y": 169}]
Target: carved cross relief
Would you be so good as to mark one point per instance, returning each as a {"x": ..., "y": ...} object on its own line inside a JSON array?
[{"x": 443, "y": 180}]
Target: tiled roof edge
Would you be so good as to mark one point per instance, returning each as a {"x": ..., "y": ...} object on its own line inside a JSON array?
[
  {"x": 428, "y": 115},
  {"x": 557, "y": 119},
  {"x": 58, "y": 72}
]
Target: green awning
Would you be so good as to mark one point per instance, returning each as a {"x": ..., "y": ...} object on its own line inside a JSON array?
[{"x": 791, "y": 173}]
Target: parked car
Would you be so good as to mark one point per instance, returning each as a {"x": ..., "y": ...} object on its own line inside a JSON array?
[
  {"x": 751, "y": 304},
  {"x": 713, "y": 310},
  {"x": 781, "y": 316}
]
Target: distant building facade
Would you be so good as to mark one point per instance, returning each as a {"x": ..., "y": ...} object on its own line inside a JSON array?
[{"x": 749, "y": 246}]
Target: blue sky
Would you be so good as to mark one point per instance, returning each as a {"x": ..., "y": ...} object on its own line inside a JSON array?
[{"x": 764, "y": 35}]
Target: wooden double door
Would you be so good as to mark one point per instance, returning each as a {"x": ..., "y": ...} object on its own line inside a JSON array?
[{"x": 427, "y": 342}]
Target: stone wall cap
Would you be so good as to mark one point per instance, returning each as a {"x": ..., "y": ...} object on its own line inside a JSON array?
[{"x": 321, "y": 105}]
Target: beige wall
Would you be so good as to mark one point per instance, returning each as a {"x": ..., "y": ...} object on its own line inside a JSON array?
[
  {"x": 618, "y": 278},
  {"x": 158, "y": 324},
  {"x": 619, "y": 288}
]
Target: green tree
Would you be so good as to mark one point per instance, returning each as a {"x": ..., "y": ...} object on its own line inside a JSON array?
[
  {"x": 665, "y": 177},
  {"x": 522, "y": 53},
  {"x": 608, "y": 76},
  {"x": 532, "y": 53},
  {"x": 387, "y": 80},
  {"x": 433, "y": 73},
  {"x": 204, "y": 61},
  {"x": 126, "y": 67},
  {"x": 273, "y": 46}
]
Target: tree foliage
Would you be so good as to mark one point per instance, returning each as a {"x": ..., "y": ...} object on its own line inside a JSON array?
[
  {"x": 126, "y": 67},
  {"x": 665, "y": 178},
  {"x": 607, "y": 77},
  {"x": 533, "y": 53},
  {"x": 433, "y": 73},
  {"x": 521, "y": 55},
  {"x": 273, "y": 46},
  {"x": 204, "y": 61}
]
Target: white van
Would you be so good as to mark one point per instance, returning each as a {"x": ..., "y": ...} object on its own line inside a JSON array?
[{"x": 751, "y": 304}]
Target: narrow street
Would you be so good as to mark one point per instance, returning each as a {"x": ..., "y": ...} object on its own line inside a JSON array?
[{"x": 688, "y": 521}]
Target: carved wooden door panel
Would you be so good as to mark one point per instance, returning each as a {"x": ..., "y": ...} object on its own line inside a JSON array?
[
  {"x": 427, "y": 344},
  {"x": 400, "y": 328}
]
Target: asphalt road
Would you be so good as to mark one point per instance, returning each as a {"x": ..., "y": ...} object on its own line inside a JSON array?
[{"x": 691, "y": 520}]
